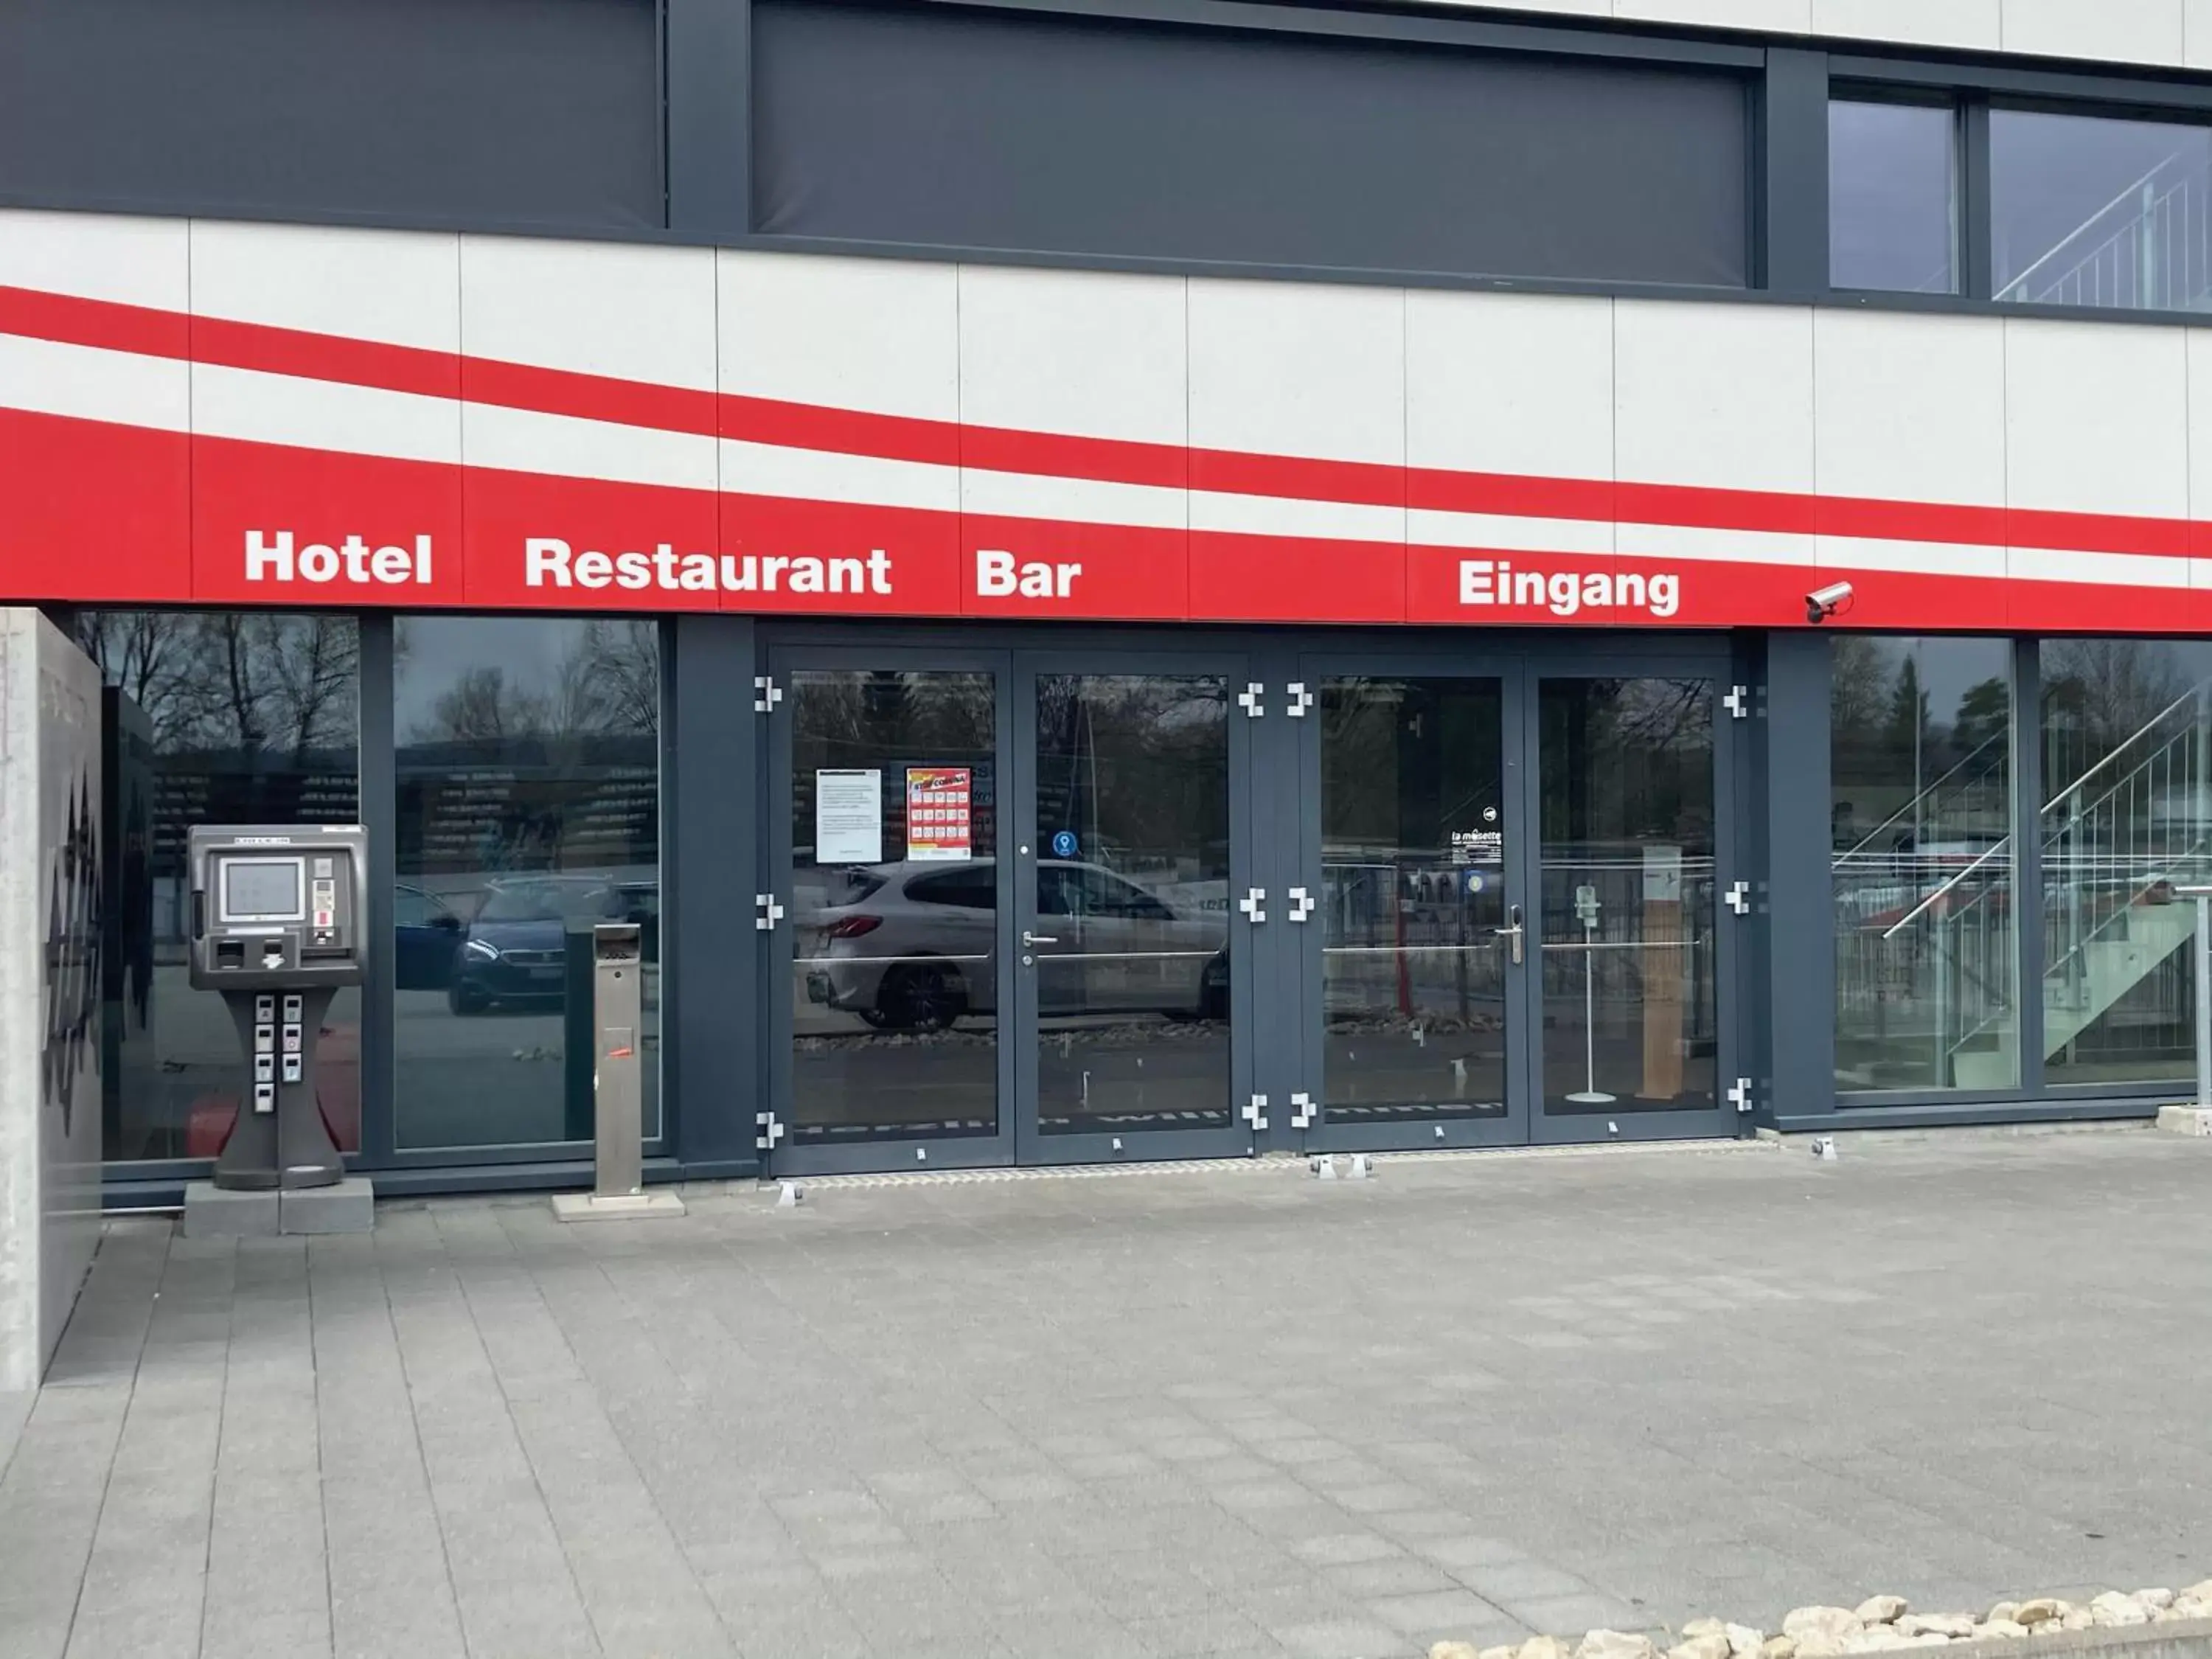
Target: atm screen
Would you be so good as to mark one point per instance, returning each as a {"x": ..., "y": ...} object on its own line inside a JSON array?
[{"x": 264, "y": 889}]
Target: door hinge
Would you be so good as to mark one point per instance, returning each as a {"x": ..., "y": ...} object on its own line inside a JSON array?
[
  {"x": 1739, "y": 897},
  {"x": 766, "y": 694},
  {"x": 1298, "y": 700},
  {"x": 1253, "y": 904},
  {"x": 1301, "y": 905},
  {"x": 1302, "y": 1110},
  {"x": 1739, "y": 1094},
  {"x": 771, "y": 1131},
  {"x": 1737, "y": 701},
  {"x": 1248, "y": 699},
  {"x": 1255, "y": 1112},
  {"x": 766, "y": 912}
]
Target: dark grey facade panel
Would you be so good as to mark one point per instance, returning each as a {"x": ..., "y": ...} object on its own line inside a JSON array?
[
  {"x": 932, "y": 125},
  {"x": 508, "y": 111}
]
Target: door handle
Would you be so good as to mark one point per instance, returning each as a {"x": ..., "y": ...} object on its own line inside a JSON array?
[
  {"x": 1029, "y": 937},
  {"x": 1516, "y": 933}
]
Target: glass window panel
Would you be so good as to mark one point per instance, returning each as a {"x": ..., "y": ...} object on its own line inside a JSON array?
[
  {"x": 1626, "y": 892},
  {"x": 1413, "y": 854},
  {"x": 2127, "y": 736},
  {"x": 529, "y": 808},
  {"x": 230, "y": 717},
  {"x": 1892, "y": 197},
  {"x": 1921, "y": 823},
  {"x": 2088, "y": 211},
  {"x": 1133, "y": 902},
  {"x": 894, "y": 906}
]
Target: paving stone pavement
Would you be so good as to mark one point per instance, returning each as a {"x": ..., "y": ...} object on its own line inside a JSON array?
[{"x": 1233, "y": 1414}]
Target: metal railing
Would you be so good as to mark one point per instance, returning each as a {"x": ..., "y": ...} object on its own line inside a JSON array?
[
  {"x": 1927, "y": 950},
  {"x": 2148, "y": 248}
]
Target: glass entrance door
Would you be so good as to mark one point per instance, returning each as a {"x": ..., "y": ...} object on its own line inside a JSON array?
[
  {"x": 1628, "y": 774},
  {"x": 1129, "y": 977},
  {"x": 1418, "y": 936},
  {"x": 886, "y": 988},
  {"x": 1518, "y": 931}
]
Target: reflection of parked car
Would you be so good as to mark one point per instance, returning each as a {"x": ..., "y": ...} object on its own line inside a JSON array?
[
  {"x": 515, "y": 952},
  {"x": 425, "y": 934},
  {"x": 914, "y": 947}
]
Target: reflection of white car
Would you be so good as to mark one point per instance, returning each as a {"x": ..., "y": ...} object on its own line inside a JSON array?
[{"x": 913, "y": 947}]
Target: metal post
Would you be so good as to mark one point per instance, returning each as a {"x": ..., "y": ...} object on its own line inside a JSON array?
[
  {"x": 2203, "y": 999},
  {"x": 2202, "y": 895},
  {"x": 618, "y": 1083}
]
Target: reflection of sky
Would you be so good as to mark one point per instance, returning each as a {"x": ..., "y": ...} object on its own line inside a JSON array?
[
  {"x": 2050, "y": 174},
  {"x": 1889, "y": 196},
  {"x": 436, "y": 651}
]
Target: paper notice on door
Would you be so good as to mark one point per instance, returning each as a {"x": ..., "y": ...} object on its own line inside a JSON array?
[
  {"x": 939, "y": 824},
  {"x": 848, "y": 817}
]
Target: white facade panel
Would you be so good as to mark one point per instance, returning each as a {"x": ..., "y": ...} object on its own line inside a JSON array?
[
  {"x": 84, "y": 383},
  {"x": 631, "y": 313},
  {"x": 877, "y": 335},
  {"x": 98, "y": 256},
  {"x": 2113, "y": 30},
  {"x": 1095, "y": 354},
  {"x": 1978, "y": 24},
  {"x": 644, "y": 315},
  {"x": 1713, "y": 395},
  {"x": 1293, "y": 368},
  {"x": 1910, "y": 408},
  {"x": 2096, "y": 418},
  {"x": 1786, "y": 16},
  {"x": 394, "y": 287},
  {"x": 1509, "y": 383},
  {"x": 290, "y": 409}
]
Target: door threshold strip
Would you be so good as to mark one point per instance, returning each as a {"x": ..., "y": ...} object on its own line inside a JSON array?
[{"x": 1282, "y": 1165}]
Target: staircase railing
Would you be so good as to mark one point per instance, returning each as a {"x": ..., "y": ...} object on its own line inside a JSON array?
[
  {"x": 1963, "y": 778},
  {"x": 2107, "y": 852},
  {"x": 2148, "y": 248},
  {"x": 1937, "y": 952}
]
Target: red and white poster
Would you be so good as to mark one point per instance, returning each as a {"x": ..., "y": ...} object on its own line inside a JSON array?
[{"x": 938, "y": 824}]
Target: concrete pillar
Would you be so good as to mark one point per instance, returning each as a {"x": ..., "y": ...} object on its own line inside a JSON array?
[{"x": 50, "y": 990}]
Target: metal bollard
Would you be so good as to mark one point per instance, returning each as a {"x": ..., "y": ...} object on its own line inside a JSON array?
[
  {"x": 617, "y": 1091},
  {"x": 617, "y": 1084}
]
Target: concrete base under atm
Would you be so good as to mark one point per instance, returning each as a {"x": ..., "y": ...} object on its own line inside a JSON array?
[
  {"x": 619, "y": 1206},
  {"x": 213, "y": 1212}
]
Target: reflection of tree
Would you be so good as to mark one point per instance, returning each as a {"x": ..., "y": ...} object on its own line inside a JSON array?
[
  {"x": 523, "y": 763},
  {"x": 2097, "y": 694},
  {"x": 607, "y": 682},
  {"x": 1137, "y": 766},
  {"x": 1983, "y": 717},
  {"x": 1628, "y": 760},
  {"x": 233, "y": 680},
  {"x": 1860, "y": 666}
]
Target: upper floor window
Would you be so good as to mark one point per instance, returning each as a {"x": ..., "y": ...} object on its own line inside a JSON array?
[
  {"x": 1892, "y": 197},
  {"x": 2089, "y": 211}
]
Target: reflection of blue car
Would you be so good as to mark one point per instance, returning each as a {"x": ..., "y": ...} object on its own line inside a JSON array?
[
  {"x": 515, "y": 949},
  {"x": 425, "y": 934}
]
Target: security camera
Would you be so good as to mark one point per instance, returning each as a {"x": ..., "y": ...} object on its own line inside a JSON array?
[{"x": 1823, "y": 603}]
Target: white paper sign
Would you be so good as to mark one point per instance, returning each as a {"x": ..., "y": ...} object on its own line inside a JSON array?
[{"x": 848, "y": 817}]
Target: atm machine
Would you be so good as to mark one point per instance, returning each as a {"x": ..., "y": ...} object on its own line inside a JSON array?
[{"x": 278, "y": 926}]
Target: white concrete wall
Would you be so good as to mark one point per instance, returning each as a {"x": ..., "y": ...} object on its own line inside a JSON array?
[
  {"x": 2174, "y": 32},
  {"x": 50, "y": 1123}
]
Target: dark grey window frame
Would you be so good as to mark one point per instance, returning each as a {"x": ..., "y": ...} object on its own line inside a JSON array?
[
  {"x": 1969, "y": 204},
  {"x": 1802, "y": 1002}
]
